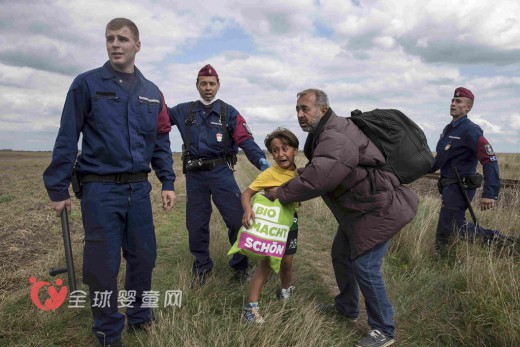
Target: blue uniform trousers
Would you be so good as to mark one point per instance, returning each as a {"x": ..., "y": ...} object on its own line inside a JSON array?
[
  {"x": 363, "y": 273},
  {"x": 115, "y": 217},
  {"x": 453, "y": 217},
  {"x": 220, "y": 185}
]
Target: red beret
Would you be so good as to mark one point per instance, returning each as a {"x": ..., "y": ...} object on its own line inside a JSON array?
[
  {"x": 463, "y": 92},
  {"x": 208, "y": 70}
]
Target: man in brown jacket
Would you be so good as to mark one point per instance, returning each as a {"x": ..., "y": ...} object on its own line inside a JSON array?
[{"x": 369, "y": 204}]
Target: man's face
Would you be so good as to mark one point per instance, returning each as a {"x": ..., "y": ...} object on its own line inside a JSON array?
[
  {"x": 121, "y": 49},
  {"x": 308, "y": 113},
  {"x": 208, "y": 87},
  {"x": 459, "y": 107}
]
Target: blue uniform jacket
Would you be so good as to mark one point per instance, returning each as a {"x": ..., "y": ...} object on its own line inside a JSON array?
[
  {"x": 462, "y": 145},
  {"x": 207, "y": 134},
  {"x": 123, "y": 132}
]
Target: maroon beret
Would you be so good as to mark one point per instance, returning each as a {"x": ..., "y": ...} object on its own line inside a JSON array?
[
  {"x": 463, "y": 92},
  {"x": 208, "y": 70}
]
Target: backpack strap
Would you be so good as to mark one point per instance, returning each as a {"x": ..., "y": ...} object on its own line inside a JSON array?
[
  {"x": 224, "y": 125},
  {"x": 189, "y": 122},
  {"x": 186, "y": 146}
]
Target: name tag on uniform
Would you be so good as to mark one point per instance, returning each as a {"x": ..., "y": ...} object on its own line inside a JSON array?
[
  {"x": 215, "y": 123},
  {"x": 454, "y": 137},
  {"x": 144, "y": 98}
]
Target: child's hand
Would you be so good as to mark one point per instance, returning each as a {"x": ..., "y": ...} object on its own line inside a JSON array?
[{"x": 247, "y": 217}]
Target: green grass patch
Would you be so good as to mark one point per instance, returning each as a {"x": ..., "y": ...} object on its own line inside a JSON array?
[{"x": 6, "y": 198}]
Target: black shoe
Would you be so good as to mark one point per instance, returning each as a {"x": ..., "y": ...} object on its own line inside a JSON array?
[
  {"x": 200, "y": 279},
  {"x": 242, "y": 276}
]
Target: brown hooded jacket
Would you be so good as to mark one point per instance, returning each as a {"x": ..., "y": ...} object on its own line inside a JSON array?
[{"x": 340, "y": 159}]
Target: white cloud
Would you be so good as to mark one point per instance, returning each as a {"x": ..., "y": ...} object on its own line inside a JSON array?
[{"x": 403, "y": 54}]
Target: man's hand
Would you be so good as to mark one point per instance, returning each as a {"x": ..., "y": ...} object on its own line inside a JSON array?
[
  {"x": 486, "y": 203},
  {"x": 271, "y": 193},
  {"x": 168, "y": 199},
  {"x": 58, "y": 206}
]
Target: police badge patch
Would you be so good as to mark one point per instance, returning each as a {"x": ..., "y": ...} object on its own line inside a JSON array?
[
  {"x": 247, "y": 129},
  {"x": 489, "y": 149}
]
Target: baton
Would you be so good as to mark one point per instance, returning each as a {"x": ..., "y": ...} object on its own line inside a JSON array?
[
  {"x": 465, "y": 195},
  {"x": 68, "y": 253}
]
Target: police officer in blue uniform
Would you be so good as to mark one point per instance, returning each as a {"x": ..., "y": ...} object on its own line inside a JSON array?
[
  {"x": 461, "y": 146},
  {"x": 125, "y": 126},
  {"x": 212, "y": 132}
]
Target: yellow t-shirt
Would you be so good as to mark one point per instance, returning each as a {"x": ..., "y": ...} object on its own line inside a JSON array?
[{"x": 273, "y": 176}]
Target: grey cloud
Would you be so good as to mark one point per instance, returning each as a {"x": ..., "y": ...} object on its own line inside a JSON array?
[
  {"x": 268, "y": 82},
  {"x": 452, "y": 52},
  {"x": 279, "y": 23},
  {"x": 361, "y": 55},
  {"x": 48, "y": 60},
  {"x": 441, "y": 81},
  {"x": 280, "y": 19}
]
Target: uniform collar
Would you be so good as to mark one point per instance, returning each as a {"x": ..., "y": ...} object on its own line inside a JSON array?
[
  {"x": 107, "y": 72},
  {"x": 454, "y": 124},
  {"x": 215, "y": 106}
]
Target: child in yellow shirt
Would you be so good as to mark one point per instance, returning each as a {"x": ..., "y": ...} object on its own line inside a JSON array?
[{"x": 283, "y": 145}]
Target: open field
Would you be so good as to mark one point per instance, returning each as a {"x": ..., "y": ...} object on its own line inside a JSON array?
[{"x": 472, "y": 301}]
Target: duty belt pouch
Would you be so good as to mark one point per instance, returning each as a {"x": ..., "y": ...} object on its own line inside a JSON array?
[
  {"x": 439, "y": 185},
  {"x": 185, "y": 158},
  {"x": 473, "y": 181},
  {"x": 75, "y": 181}
]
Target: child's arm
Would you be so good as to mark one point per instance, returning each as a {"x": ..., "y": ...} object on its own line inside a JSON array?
[{"x": 246, "y": 205}]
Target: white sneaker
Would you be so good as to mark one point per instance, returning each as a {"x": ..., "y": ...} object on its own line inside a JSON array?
[
  {"x": 252, "y": 314},
  {"x": 285, "y": 294}
]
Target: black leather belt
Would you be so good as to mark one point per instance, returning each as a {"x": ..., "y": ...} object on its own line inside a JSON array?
[
  {"x": 215, "y": 162},
  {"x": 469, "y": 182},
  {"x": 447, "y": 181},
  {"x": 116, "y": 178}
]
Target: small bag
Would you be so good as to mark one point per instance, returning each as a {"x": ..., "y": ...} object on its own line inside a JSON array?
[
  {"x": 473, "y": 181},
  {"x": 75, "y": 181},
  {"x": 267, "y": 237}
]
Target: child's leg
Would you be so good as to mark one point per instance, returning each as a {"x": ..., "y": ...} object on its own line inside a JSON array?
[
  {"x": 286, "y": 271},
  {"x": 258, "y": 280}
]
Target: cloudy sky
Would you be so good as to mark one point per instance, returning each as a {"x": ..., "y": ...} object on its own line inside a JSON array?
[{"x": 403, "y": 54}]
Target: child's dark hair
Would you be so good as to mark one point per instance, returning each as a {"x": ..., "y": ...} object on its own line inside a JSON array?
[{"x": 284, "y": 135}]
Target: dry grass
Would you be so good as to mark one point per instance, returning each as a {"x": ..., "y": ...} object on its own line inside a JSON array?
[{"x": 472, "y": 301}]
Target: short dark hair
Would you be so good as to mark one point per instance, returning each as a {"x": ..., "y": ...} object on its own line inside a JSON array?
[
  {"x": 285, "y": 135},
  {"x": 322, "y": 100},
  {"x": 118, "y": 23}
]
